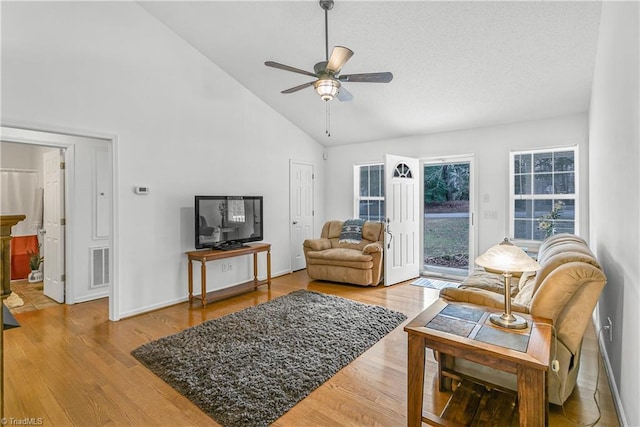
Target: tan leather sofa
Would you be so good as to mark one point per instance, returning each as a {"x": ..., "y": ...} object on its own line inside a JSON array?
[
  {"x": 355, "y": 263},
  {"x": 565, "y": 289}
]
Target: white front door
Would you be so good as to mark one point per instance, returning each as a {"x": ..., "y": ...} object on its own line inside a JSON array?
[
  {"x": 53, "y": 214},
  {"x": 301, "y": 206},
  {"x": 402, "y": 235}
]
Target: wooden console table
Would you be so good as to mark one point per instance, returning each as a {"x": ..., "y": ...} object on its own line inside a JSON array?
[
  {"x": 464, "y": 331},
  {"x": 215, "y": 254}
]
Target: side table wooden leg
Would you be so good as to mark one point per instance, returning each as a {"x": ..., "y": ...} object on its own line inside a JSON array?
[
  {"x": 190, "y": 275},
  {"x": 415, "y": 377},
  {"x": 532, "y": 392},
  {"x": 445, "y": 361},
  {"x": 203, "y": 279},
  {"x": 269, "y": 269},
  {"x": 255, "y": 270}
]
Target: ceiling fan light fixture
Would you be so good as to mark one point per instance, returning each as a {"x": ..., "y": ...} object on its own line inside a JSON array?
[{"x": 327, "y": 88}]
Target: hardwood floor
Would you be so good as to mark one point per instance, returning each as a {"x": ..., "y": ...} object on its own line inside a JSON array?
[
  {"x": 69, "y": 365},
  {"x": 32, "y": 296}
]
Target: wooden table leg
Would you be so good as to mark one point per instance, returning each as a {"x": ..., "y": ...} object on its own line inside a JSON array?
[
  {"x": 532, "y": 389},
  {"x": 269, "y": 268},
  {"x": 190, "y": 273},
  {"x": 255, "y": 270},
  {"x": 203, "y": 279},
  {"x": 445, "y": 361},
  {"x": 415, "y": 377}
]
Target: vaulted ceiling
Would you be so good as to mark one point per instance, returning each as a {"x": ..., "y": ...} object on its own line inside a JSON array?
[{"x": 456, "y": 65}]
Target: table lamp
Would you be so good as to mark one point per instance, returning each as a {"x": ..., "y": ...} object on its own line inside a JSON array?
[{"x": 507, "y": 258}]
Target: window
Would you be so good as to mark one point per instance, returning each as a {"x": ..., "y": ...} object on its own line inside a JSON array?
[
  {"x": 369, "y": 200},
  {"x": 544, "y": 197}
]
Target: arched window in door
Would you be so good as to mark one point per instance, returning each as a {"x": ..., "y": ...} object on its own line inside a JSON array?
[{"x": 402, "y": 170}]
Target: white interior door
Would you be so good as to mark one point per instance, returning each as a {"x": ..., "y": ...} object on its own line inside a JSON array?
[
  {"x": 402, "y": 206},
  {"x": 301, "y": 203},
  {"x": 53, "y": 214}
]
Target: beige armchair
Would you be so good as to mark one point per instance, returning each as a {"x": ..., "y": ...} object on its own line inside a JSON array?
[
  {"x": 356, "y": 263},
  {"x": 566, "y": 290}
]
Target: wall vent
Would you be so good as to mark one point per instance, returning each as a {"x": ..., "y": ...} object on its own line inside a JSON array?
[{"x": 99, "y": 267}]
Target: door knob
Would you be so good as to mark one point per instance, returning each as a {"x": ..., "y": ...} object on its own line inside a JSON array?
[{"x": 295, "y": 222}]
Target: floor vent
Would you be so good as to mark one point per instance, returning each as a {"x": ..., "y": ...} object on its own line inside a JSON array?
[{"x": 99, "y": 267}]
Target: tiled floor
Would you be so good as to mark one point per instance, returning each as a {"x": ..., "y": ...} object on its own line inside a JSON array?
[{"x": 31, "y": 294}]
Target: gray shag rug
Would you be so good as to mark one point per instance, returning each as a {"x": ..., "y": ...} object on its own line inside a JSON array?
[{"x": 250, "y": 367}]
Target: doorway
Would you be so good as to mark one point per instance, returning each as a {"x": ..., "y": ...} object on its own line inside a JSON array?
[
  {"x": 25, "y": 190},
  {"x": 89, "y": 171},
  {"x": 448, "y": 232}
]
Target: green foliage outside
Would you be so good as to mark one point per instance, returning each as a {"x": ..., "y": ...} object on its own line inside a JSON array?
[
  {"x": 446, "y": 190},
  {"x": 446, "y": 242},
  {"x": 447, "y": 182}
]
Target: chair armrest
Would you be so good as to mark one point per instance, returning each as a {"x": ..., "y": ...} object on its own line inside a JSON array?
[
  {"x": 317, "y": 244},
  {"x": 372, "y": 248},
  {"x": 480, "y": 297}
]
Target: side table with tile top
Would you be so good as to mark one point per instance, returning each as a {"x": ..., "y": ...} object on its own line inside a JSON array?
[{"x": 464, "y": 331}]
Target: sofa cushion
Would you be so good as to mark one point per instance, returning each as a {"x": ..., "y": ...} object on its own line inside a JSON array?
[
  {"x": 333, "y": 228},
  {"x": 481, "y": 279},
  {"x": 526, "y": 292},
  {"x": 341, "y": 256},
  {"x": 317, "y": 244},
  {"x": 372, "y": 231},
  {"x": 558, "y": 258}
]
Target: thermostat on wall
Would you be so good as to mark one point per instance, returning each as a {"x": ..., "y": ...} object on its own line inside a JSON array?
[{"x": 142, "y": 190}]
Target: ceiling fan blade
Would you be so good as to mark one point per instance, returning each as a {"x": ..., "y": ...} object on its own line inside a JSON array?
[
  {"x": 288, "y": 68},
  {"x": 367, "y": 78},
  {"x": 339, "y": 56},
  {"x": 297, "y": 88},
  {"x": 343, "y": 94}
]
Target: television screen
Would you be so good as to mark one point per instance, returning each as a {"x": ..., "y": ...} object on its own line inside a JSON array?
[{"x": 227, "y": 221}]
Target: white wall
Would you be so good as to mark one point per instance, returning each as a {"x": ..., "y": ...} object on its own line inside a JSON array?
[
  {"x": 21, "y": 156},
  {"x": 182, "y": 126},
  {"x": 490, "y": 146},
  {"x": 615, "y": 202}
]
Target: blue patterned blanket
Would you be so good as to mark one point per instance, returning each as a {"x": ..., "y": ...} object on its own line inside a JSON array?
[{"x": 352, "y": 231}]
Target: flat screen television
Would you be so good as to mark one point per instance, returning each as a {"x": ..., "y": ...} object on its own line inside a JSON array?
[{"x": 227, "y": 222}]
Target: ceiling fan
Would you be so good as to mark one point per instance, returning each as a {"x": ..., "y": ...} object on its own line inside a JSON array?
[{"x": 328, "y": 83}]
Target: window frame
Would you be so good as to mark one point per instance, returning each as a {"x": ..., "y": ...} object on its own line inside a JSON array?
[
  {"x": 575, "y": 196},
  {"x": 357, "y": 198}
]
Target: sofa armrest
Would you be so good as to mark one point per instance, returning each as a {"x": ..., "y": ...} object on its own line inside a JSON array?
[
  {"x": 317, "y": 244},
  {"x": 372, "y": 248},
  {"x": 480, "y": 297}
]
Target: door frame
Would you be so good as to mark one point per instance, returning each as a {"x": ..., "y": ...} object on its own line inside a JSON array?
[
  {"x": 67, "y": 141},
  {"x": 473, "y": 232}
]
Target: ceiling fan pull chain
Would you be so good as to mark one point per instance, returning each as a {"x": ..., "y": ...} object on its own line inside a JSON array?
[{"x": 328, "y": 120}]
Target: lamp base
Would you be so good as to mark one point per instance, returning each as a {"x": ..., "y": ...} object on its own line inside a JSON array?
[{"x": 509, "y": 321}]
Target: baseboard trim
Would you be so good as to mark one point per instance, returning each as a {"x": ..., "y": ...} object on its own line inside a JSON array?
[
  {"x": 622, "y": 419},
  {"x": 180, "y": 300},
  {"x": 90, "y": 298}
]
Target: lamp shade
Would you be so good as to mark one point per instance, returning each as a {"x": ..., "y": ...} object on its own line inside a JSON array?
[{"x": 507, "y": 257}]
